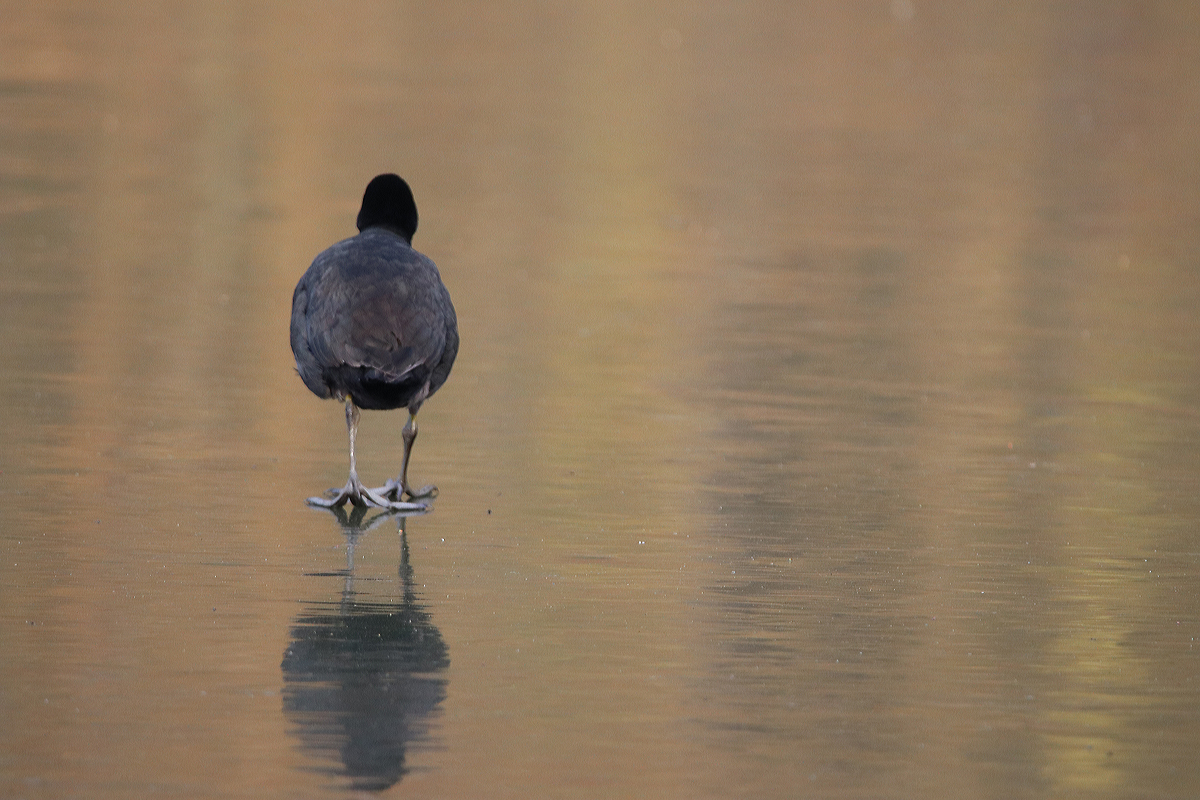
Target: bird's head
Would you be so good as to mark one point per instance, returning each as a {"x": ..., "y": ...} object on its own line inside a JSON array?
[{"x": 388, "y": 203}]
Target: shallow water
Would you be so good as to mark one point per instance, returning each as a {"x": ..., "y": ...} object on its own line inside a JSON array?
[{"x": 825, "y": 423}]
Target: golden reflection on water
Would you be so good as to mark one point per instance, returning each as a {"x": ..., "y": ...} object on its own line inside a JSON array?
[{"x": 825, "y": 420}]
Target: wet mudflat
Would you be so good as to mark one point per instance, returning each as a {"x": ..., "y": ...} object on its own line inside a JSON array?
[{"x": 825, "y": 423}]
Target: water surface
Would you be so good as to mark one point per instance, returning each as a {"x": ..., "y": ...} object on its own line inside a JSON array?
[{"x": 825, "y": 423}]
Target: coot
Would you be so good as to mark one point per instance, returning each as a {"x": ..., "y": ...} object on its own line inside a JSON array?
[{"x": 373, "y": 326}]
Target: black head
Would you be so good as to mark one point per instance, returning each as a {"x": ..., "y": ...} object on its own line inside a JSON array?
[{"x": 388, "y": 203}]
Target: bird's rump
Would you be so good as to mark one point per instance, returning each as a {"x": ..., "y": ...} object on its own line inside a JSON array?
[{"x": 368, "y": 316}]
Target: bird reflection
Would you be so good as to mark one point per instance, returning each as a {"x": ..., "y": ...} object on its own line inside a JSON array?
[{"x": 361, "y": 677}]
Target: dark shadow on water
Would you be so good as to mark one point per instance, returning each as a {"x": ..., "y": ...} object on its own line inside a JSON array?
[{"x": 361, "y": 677}]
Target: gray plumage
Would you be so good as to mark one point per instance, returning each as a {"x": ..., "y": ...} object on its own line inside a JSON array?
[
  {"x": 372, "y": 323},
  {"x": 372, "y": 320}
]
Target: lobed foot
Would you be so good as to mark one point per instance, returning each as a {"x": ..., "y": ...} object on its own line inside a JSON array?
[
  {"x": 354, "y": 492},
  {"x": 394, "y": 489}
]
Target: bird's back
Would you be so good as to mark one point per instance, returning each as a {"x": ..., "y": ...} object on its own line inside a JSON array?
[{"x": 371, "y": 319}]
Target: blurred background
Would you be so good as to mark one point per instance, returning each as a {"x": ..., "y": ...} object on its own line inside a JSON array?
[{"x": 825, "y": 424}]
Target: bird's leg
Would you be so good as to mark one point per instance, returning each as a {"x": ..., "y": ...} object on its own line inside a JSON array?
[
  {"x": 409, "y": 434},
  {"x": 398, "y": 487},
  {"x": 354, "y": 491}
]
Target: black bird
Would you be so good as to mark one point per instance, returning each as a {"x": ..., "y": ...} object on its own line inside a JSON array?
[{"x": 373, "y": 326}]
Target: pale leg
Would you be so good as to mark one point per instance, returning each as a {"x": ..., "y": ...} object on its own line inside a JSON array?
[
  {"x": 398, "y": 487},
  {"x": 354, "y": 491}
]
